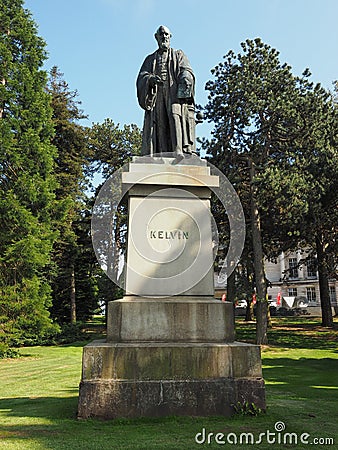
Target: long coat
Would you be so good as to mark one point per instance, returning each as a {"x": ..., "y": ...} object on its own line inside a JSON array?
[{"x": 177, "y": 64}]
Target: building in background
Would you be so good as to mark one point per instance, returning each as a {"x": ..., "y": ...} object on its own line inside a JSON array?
[{"x": 295, "y": 275}]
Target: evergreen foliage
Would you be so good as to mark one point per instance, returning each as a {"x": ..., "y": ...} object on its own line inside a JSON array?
[
  {"x": 112, "y": 147},
  {"x": 73, "y": 282},
  {"x": 27, "y": 182},
  {"x": 274, "y": 138}
]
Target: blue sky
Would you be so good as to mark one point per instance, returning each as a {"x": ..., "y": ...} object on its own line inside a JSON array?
[{"x": 99, "y": 45}]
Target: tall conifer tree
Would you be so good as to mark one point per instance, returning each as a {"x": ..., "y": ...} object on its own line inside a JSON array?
[
  {"x": 27, "y": 183},
  {"x": 275, "y": 138},
  {"x": 73, "y": 256}
]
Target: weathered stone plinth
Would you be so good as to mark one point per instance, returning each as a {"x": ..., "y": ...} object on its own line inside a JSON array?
[
  {"x": 163, "y": 361},
  {"x": 111, "y": 399},
  {"x": 170, "y": 345},
  {"x": 175, "y": 319},
  {"x": 169, "y": 228},
  {"x": 158, "y": 361}
]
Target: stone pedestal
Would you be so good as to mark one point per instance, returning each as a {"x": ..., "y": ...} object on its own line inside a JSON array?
[
  {"x": 167, "y": 357},
  {"x": 173, "y": 319},
  {"x": 147, "y": 379},
  {"x": 170, "y": 235},
  {"x": 170, "y": 345}
]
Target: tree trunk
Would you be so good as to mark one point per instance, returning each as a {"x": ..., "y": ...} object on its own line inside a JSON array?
[
  {"x": 231, "y": 287},
  {"x": 231, "y": 292},
  {"x": 323, "y": 276},
  {"x": 249, "y": 312},
  {"x": 262, "y": 305},
  {"x": 72, "y": 296}
]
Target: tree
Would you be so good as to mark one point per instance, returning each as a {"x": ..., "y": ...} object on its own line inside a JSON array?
[
  {"x": 266, "y": 137},
  {"x": 72, "y": 260},
  {"x": 85, "y": 266},
  {"x": 311, "y": 181},
  {"x": 111, "y": 147},
  {"x": 27, "y": 182},
  {"x": 318, "y": 161},
  {"x": 251, "y": 106}
]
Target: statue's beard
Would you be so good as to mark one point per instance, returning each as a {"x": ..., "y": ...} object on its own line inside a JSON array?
[{"x": 164, "y": 45}]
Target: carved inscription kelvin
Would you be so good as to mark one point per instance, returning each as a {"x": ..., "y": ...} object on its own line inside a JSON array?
[{"x": 165, "y": 234}]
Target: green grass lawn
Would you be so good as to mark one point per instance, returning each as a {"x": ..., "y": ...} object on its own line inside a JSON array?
[{"x": 39, "y": 390}]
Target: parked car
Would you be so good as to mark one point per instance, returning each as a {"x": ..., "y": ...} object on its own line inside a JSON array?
[{"x": 241, "y": 304}]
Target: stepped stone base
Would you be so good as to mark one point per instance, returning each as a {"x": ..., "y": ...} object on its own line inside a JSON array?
[
  {"x": 109, "y": 399},
  {"x": 157, "y": 379},
  {"x": 170, "y": 361},
  {"x": 169, "y": 356}
]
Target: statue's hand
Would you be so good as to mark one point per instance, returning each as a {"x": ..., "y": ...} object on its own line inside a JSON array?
[{"x": 155, "y": 79}]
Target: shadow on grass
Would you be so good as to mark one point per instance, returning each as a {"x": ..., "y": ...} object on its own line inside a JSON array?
[
  {"x": 77, "y": 343},
  {"x": 301, "y": 379},
  {"x": 50, "y": 422},
  {"x": 305, "y": 377},
  {"x": 90, "y": 338},
  {"x": 295, "y": 333},
  {"x": 52, "y": 408},
  {"x": 299, "y": 339}
]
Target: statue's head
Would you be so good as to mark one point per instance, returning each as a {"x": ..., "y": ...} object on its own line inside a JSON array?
[{"x": 162, "y": 37}]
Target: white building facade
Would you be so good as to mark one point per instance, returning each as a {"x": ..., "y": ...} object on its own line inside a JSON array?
[{"x": 293, "y": 276}]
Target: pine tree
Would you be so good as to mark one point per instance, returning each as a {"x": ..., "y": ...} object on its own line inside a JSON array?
[
  {"x": 250, "y": 102},
  {"x": 303, "y": 194},
  {"x": 111, "y": 147},
  {"x": 27, "y": 183},
  {"x": 73, "y": 284},
  {"x": 275, "y": 138}
]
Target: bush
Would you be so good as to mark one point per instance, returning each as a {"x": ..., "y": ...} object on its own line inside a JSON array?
[
  {"x": 66, "y": 334},
  {"x": 71, "y": 332},
  {"x": 7, "y": 352},
  {"x": 28, "y": 336},
  {"x": 247, "y": 409}
]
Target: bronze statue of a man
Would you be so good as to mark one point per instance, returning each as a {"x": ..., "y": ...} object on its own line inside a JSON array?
[{"x": 165, "y": 90}]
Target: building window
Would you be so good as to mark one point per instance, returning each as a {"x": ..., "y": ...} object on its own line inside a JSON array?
[
  {"x": 333, "y": 295},
  {"x": 293, "y": 269},
  {"x": 311, "y": 294},
  {"x": 311, "y": 267},
  {"x": 292, "y": 292}
]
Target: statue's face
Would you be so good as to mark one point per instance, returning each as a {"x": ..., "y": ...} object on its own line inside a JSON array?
[{"x": 163, "y": 38}]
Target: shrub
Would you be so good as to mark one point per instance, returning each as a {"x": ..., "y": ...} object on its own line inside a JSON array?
[{"x": 7, "y": 352}]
